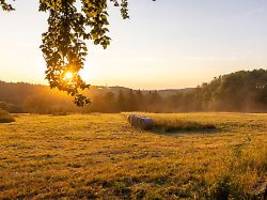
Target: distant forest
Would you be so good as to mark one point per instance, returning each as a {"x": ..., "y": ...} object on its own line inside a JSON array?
[{"x": 243, "y": 91}]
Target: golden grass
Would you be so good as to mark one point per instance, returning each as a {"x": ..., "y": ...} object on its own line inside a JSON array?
[
  {"x": 5, "y": 117},
  {"x": 102, "y": 156}
]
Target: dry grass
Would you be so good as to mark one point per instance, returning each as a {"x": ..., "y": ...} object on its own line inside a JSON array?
[
  {"x": 5, "y": 117},
  {"x": 101, "y": 156}
]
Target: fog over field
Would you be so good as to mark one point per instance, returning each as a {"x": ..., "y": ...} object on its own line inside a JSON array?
[{"x": 242, "y": 91}]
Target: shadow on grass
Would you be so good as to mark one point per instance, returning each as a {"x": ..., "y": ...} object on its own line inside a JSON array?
[{"x": 184, "y": 127}]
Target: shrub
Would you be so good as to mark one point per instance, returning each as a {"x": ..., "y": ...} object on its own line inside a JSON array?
[
  {"x": 5, "y": 117},
  {"x": 10, "y": 107}
]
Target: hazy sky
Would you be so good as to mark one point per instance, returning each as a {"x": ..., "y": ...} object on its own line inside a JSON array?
[{"x": 165, "y": 44}]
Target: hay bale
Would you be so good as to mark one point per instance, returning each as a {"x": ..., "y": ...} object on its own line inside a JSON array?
[
  {"x": 141, "y": 122},
  {"x": 147, "y": 123}
]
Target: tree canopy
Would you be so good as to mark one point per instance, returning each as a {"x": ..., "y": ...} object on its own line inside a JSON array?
[{"x": 70, "y": 24}]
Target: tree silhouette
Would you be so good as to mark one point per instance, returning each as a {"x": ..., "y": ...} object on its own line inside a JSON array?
[
  {"x": 63, "y": 45},
  {"x": 121, "y": 101},
  {"x": 5, "y": 6}
]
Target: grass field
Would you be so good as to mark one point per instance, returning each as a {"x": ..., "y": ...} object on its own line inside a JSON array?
[{"x": 100, "y": 156}]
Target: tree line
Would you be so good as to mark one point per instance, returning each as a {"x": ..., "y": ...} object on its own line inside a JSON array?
[{"x": 243, "y": 91}]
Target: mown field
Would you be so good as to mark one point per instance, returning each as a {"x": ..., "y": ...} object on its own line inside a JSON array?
[{"x": 100, "y": 156}]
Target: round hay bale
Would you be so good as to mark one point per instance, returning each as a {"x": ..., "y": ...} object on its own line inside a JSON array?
[
  {"x": 133, "y": 120},
  {"x": 140, "y": 122},
  {"x": 136, "y": 121},
  {"x": 147, "y": 123},
  {"x": 129, "y": 118}
]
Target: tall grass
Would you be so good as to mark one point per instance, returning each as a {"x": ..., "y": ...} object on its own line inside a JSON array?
[
  {"x": 5, "y": 117},
  {"x": 244, "y": 175}
]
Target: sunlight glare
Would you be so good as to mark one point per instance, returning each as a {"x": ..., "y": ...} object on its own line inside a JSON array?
[{"x": 68, "y": 76}]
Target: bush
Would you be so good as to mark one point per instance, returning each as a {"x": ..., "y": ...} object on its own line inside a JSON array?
[
  {"x": 10, "y": 107},
  {"x": 5, "y": 117}
]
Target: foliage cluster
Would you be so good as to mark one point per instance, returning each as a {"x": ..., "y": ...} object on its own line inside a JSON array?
[
  {"x": 70, "y": 24},
  {"x": 239, "y": 91}
]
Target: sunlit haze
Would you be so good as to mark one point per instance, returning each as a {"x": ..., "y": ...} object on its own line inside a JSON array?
[{"x": 165, "y": 44}]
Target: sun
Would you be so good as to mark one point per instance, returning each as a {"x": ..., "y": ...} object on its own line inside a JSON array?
[{"x": 68, "y": 76}]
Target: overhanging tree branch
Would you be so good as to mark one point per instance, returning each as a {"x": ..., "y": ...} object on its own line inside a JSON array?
[{"x": 63, "y": 45}]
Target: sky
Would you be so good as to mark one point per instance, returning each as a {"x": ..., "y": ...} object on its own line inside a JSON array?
[{"x": 165, "y": 44}]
